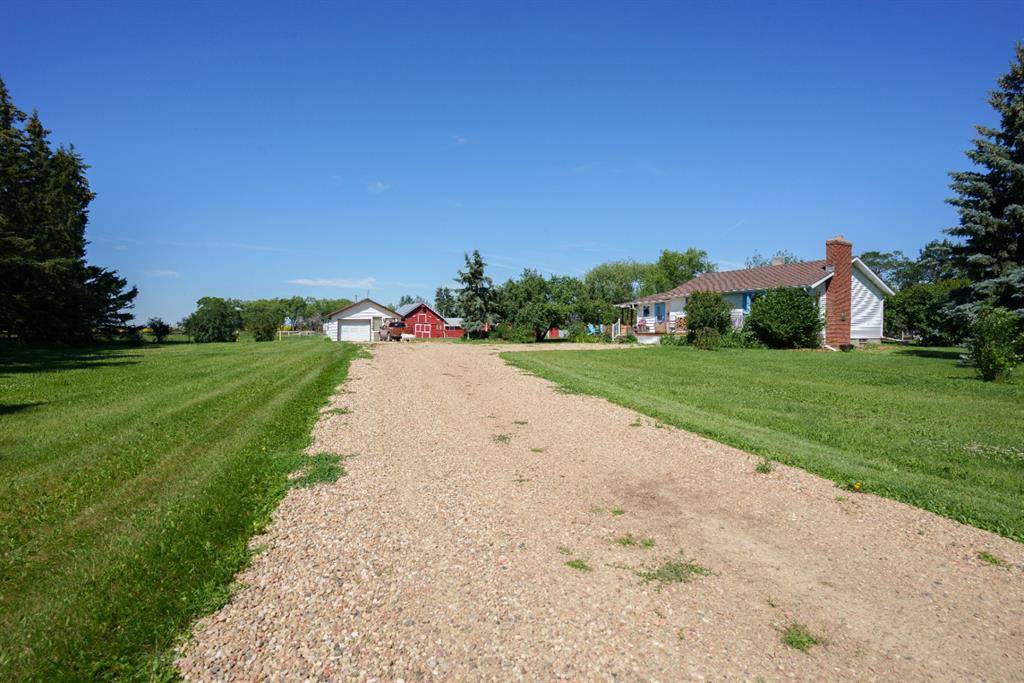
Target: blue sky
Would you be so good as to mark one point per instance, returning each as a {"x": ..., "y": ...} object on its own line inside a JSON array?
[{"x": 257, "y": 150}]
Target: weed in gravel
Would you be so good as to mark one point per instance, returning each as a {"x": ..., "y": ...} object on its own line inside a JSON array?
[
  {"x": 536, "y": 450},
  {"x": 520, "y": 422},
  {"x": 338, "y": 411},
  {"x": 501, "y": 438},
  {"x": 681, "y": 634},
  {"x": 579, "y": 564},
  {"x": 565, "y": 550},
  {"x": 772, "y": 603},
  {"x": 617, "y": 512},
  {"x": 636, "y": 423},
  {"x": 323, "y": 468},
  {"x": 629, "y": 540},
  {"x": 852, "y": 486},
  {"x": 799, "y": 638},
  {"x": 989, "y": 558},
  {"x": 672, "y": 571},
  {"x": 520, "y": 479},
  {"x": 764, "y": 467}
]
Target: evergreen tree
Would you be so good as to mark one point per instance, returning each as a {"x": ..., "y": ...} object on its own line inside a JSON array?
[
  {"x": 47, "y": 290},
  {"x": 990, "y": 201},
  {"x": 475, "y": 296},
  {"x": 445, "y": 303}
]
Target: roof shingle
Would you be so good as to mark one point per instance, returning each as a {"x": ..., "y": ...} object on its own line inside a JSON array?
[{"x": 799, "y": 274}]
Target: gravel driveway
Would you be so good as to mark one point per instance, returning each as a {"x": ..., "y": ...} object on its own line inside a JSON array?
[{"x": 443, "y": 553}]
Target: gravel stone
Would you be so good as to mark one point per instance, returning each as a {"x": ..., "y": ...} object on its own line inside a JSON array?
[{"x": 442, "y": 553}]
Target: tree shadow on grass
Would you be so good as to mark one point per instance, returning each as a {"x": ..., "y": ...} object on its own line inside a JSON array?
[
  {"x": 942, "y": 354},
  {"x": 11, "y": 408},
  {"x": 19, "y": 361}
]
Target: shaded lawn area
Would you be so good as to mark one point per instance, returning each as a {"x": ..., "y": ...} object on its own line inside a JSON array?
[
  {"x": 909, "y": 424},
  {"x": 130, "y": 481}
]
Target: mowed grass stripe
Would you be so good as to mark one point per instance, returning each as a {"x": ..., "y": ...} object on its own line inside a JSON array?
[
  {"x": 917, "y": 428},
  {"x": 106, "y": 414},
  {"x": 62, "y": 489},
  {"x": 142, "y": 510},
  {"x": 133, "y": 485},
  {"x": 110, "y": 588}
]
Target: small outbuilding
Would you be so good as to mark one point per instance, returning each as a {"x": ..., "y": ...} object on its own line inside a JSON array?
[
  {"x": 424, "y": 322},
  {"x": 360, "y": 322}
]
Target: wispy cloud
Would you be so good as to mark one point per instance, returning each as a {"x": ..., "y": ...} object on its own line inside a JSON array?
[
  {"x": 461, "y": 140},
  {"x": 731, "y": 265},
  {"x": 242, "y": 246},
  {"x": 378, "y": 187},
  {"x": 347, "y": 283},
  {"x": 163, "y": 273},
  {"x": 368, "y": 282}
]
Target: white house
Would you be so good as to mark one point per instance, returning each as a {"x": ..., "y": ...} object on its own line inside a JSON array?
[
  {"x": 851, "y": 297},
  {"x": 360, "y": 322}
]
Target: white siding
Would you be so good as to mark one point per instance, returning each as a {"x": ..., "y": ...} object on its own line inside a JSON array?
[
  {"x": 866, "y": 308},
  {"x": 331, "y": 330}
]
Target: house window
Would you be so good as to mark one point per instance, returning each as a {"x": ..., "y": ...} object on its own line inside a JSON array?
[
  {"x": 647, "y": 311},
  {"x": 659, "y": 311},
  {"x": 747, "y": 297}
]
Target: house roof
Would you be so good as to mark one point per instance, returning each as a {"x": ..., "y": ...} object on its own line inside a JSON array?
[
  {"x": 804, "y": 273},
  {"x": 360, "y": 303},
  {"x": 453, "y": 322}
]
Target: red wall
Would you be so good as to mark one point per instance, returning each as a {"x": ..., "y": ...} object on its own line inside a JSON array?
[{"x": 426, "y": 324}]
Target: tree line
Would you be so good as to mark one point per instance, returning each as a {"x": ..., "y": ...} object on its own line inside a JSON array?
[
  {"x": 220, "y": 320},
  {"x": 48, "y": 292}
]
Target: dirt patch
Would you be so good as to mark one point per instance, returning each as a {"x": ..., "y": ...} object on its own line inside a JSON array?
[{"x": 447, "y": 553}]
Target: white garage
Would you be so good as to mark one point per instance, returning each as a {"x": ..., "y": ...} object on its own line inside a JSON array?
[{"x": 360, "y": 322}]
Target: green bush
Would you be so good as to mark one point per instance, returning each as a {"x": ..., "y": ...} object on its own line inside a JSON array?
[
  {"x": 216, "y": 320},
  {"x": 994, "y": 342},
  {"x": 740, "y": 339},
  {"x": 159, "y": 329},
  {"x": 513, "y": 334},
  {"x": 627, "y": 339},
  {"x": 674, "y": 340},
  {"x": 785, "y": 318},
  {"x": 578, "y": 332},
  {"x": 707, "y": 311},
  {"x": 707, "y": 339},
  {"x": 263, "y": 319}
]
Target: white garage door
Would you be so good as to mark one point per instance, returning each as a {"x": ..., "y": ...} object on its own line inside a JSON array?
[{"x": 354, "y": 330}]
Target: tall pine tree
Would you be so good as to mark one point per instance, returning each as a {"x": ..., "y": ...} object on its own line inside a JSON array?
[
  {"x": 47, "y": 290},
  {"x": 990, "y": 202},
  {"x": 475, "y": 296}
]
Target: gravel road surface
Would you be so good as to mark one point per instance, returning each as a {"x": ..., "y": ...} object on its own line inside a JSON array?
[{"x": 443, "y": 553}]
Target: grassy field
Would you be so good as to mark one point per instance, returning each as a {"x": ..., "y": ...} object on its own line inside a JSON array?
[
  {"x": 909, "y": 424},
  {"x": 130, "y": 480}
]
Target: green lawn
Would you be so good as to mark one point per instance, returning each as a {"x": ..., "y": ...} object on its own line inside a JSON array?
[
  {"x": 130, "y": 480},
  {"x": 909, "y": 424}
]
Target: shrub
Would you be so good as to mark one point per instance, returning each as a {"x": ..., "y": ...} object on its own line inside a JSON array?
[
  {"x": 514, "y": 334},
  {"x": 674, "y": 340},
  {"x": 740, "y": 339},
  {"x": 994, "y": 342},
  {"x": 707, "y": 311},
  {"x": 628, "y": 339},
  {"x": 785, "y": 318},
  {"x": 707, "y": 339},
  {"x": 263, "y": 319},
  {"x": 577, "y": 332},
  {"x": 216, "y": 320},
  {"x": 159, "y": 329}
]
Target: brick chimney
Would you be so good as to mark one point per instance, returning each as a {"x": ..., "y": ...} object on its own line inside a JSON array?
[{"x": 839, "y": 257}]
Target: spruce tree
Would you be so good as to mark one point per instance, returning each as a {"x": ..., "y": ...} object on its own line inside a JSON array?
[
  {"x": 47, "y": 290},
  {"x": 475, "y": 296},
  {"x": 990, "y": 201}
]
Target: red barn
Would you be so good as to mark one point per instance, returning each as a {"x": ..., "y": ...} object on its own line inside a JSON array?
[{"x": 425, "y": 323}]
